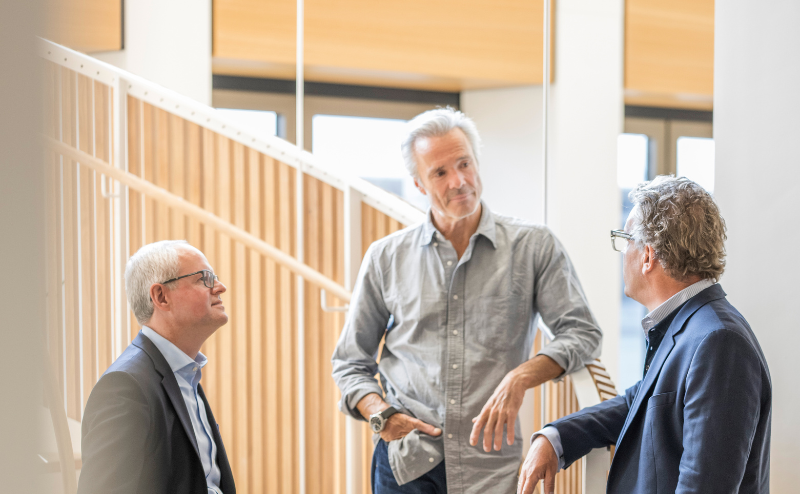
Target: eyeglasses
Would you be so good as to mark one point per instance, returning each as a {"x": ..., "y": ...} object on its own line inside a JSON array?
[
  {"x": 620, "y": 240},
  {"x": 209, "y": 278}
]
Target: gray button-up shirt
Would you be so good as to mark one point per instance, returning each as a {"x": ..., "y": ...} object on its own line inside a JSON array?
[{"x": 454, "y": 328}]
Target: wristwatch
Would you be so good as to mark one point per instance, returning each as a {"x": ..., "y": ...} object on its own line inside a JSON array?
[{"x": 377, "y": 421}]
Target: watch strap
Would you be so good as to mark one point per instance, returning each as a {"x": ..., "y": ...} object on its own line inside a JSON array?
[{"x": 388, "y": 412}]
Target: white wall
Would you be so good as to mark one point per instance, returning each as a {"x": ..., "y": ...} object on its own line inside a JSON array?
[
  {"x": 586, "y": 118},
  {"x": 510, "y": 123},
  {"x": 756, "y": 127},
  {"x": 168, "y": 42}
]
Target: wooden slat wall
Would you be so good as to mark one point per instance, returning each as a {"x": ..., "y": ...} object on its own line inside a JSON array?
[
  {"x": 251, "y": 378},
  {"x": 79, "y": 242}
]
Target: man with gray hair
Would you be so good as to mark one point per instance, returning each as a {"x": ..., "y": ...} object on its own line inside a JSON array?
[
  {"x": 457, "y": 298},
  {"x": 147, "y": 427},
  {"x": 699, "y": 420}
]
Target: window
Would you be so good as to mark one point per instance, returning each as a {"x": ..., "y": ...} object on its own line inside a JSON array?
[
  {"x": 632, "y": 166},
  {"x": 262, "y": 123},
  {"x": 696, "y": 160},
  {"x": 368, "y": 148}
]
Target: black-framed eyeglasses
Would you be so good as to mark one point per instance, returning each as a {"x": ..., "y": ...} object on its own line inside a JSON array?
[
  {"x": 620, "y": 240},
  {"x": 209, "y": 278}
]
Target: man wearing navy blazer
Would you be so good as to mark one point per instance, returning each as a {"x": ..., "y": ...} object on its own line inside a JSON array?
[
  {"x": 148, "y": 427},
  {"x": 699, "y": 420}
]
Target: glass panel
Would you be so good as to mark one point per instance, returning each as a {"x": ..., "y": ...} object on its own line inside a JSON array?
[
  {"x": 262, "y": 123},
  {"x": 632, "y": 156},
  {"x": 696, "y": 160},
  {"x": 368, "y": 148}
]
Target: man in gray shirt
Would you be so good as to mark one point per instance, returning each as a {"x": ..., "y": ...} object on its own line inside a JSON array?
[{"x": 457, "y": 298}]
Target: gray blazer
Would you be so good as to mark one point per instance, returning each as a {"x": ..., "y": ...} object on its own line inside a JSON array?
[{"x": 700, "y": 419}]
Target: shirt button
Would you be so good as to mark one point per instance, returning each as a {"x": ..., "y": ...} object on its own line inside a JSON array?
[
  {"x": 431, "y": 460},
  {"x": 449, "y": 263},
  {"x": 651, "y": 348},
  {"x": 449, "y": 436},
  {"x": 455, "y": 366},
  {"x": 194, "y": 369},
  {"x": 436, "y": 244},
  {"x": 455, "y": 297},
  {"x": 455, "y": 332},
  {"x": 646, "y": 367},
  {"x": 452, "y": 402}
]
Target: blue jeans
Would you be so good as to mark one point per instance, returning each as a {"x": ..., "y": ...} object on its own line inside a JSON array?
[{"x": 433, "y": 482}]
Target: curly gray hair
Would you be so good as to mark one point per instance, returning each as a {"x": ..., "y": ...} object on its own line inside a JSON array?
[
  {"x": 434, "y": 123},
  {"x": 153, "y": 263},
  {"x": 682, "y": 223}
]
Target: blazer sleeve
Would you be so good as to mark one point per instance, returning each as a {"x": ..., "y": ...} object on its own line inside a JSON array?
[
  {"x": 721, "y": 412},
  {"x": 593, "y": 427},
  {"x": 116, "y": 425}
]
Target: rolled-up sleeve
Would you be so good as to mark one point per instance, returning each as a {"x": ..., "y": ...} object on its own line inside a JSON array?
[
  {"x": 354, "y": 358},
  {"x": 559, "y": 298}
]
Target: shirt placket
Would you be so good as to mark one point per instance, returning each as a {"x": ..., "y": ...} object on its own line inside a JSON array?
[{"x": 454, "y": 368}]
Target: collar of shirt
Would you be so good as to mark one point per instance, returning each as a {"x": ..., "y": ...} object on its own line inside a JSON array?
[
  {"x": 486, "y": 227},
  {"x": 179, "y": 362},
  {"x": 663, "y": 310}
]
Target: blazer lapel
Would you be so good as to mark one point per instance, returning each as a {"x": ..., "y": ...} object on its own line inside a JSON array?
[
  {"x": 713, "y": 292},
  {"x": 170, "y": 385}
]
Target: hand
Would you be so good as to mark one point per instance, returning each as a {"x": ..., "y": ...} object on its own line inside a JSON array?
[
  {"x": 501, "y": 410},
  {"x": 540, "y": 464},
  {"x": 399, "y": 425}
]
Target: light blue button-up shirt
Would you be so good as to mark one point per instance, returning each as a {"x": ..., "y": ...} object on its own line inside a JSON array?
[{"x": 188, "y": 372}]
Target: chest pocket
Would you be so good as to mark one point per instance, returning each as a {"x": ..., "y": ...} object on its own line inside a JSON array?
[{"x": 494, "y": 323}]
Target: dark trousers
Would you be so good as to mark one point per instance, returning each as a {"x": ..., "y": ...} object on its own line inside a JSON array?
[{"x": 433, "y": 482}]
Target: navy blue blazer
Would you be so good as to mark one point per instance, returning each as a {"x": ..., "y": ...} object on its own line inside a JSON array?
[
  {"x": 699, "y": 422},
  {"x": 136, "y": 435}
]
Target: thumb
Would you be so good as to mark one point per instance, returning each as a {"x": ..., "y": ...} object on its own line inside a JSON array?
[{"x": 427, "y": 428}]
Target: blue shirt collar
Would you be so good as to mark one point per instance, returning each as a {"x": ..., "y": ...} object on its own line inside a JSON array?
[{"x": 177, "y": 360}]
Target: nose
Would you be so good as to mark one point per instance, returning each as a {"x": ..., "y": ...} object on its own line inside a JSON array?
[
  {"x": 219, "y": 287},
  {"x": 456, "y": 180}
]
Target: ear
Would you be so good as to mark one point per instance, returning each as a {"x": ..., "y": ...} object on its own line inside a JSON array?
[
  {"x": 420, "y": 187},
  {"x": 159, "y": 295},
  {"x": 649, "y": 261}
]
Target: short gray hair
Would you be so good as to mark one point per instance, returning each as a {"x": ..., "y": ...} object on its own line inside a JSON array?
[
  {"x": 153, "y": 263},
  {"x": 682, "y": 223},
  {"x": 434, "y": 123}
]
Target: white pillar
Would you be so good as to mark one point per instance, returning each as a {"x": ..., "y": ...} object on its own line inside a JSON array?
[
  {"x": 757, "y": 185},
  {"x": 168, "y": 42},
  {"x": 586, "y": 117}
]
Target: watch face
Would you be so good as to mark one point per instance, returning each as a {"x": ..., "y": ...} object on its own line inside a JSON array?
[{"x": 375, "y": 423}]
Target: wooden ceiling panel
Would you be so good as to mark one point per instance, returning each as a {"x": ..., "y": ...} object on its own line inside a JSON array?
[
  {"x": 468, "y": 43},
  {"x": 669, "y": 51},
  {"x": 85, "y": 25}
]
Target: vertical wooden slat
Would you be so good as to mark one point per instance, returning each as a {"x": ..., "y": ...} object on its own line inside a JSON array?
[
  {"x": 102, "y": 137},
  {"x": 315, "y": 446},
  {"x": 194, "y": 150},
  {"x": 288, "y": 397},
  {"x": 225, "y": 376},
  {"x": 208, "y": 245},
  {"x": 327, "y": 244},
  {"x": 70, "y": 211},
  {"x": 272, "y": 339},
  {"x": 177, "y": 176},
  {"x": 149, "y": 169},
  {"x": 255, "y": 326},
  {"x": 87, "y": 233},
  {"x": 239, "y": 324},
  {"x": 161, "y": 140}
]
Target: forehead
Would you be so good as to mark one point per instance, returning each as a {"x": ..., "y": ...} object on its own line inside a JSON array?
[
  {"x": 192, "y": 260},
  {"x": 451, "y": 145}
]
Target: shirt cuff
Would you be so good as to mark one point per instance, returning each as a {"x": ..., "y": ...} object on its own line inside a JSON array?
[
  {"x": 552, "y": 435},
  {"x": 349, "y": 401}
]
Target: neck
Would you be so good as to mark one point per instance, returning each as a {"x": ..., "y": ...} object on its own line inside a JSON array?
[
  {"x": 185, "y": 342},
  {"x": 665, "y": 289},
  {"x": 457, "y": 231}
]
